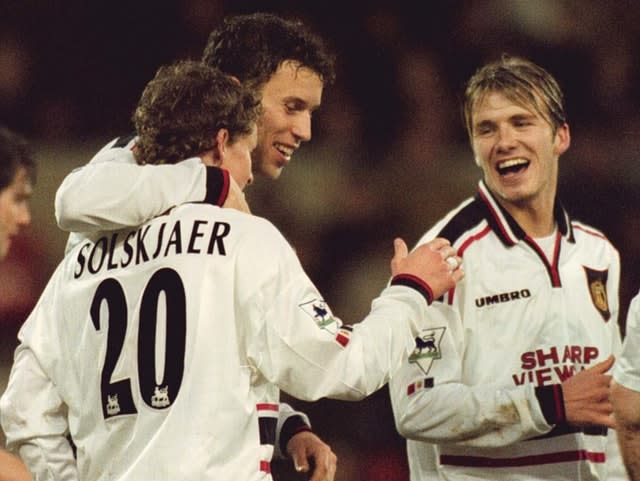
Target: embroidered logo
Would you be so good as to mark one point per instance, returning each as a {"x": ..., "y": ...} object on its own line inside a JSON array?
[
  {"x": 319, "y": 311},
  {"x": 344, "y": 333},
  {"x": 597, "y": 282},
  {"x": 113, "y": 406},
  {"x": 160, "y": 398},
  {"x": 427, "y": 348}
]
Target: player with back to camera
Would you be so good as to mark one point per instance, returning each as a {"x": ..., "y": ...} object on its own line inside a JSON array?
[
  {"x": 509, "y": 376},
  {"x": 166, "y": 344},
  {"x": 17, "y": 175},
  {"x": 289, "y": 66}
]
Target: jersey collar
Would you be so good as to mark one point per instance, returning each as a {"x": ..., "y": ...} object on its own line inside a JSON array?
[{"x": 506, "y": 227}]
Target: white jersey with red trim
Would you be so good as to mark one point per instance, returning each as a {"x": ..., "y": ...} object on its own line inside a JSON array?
[
  {"x": 482, "y": 385},
  {"x": 627, "y": 368},
  {"x": 166, "y": 346},
  {"x": 113, "y": 192}
]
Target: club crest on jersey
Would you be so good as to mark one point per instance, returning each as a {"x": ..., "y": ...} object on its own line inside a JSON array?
[
  {"x": 113, "y": 406},
  {"x": 319, "y": 311},
  {"x": 427, "y": 348},
  {"x": 597, "y": 282},
  {"x": 160, "y": 398}
]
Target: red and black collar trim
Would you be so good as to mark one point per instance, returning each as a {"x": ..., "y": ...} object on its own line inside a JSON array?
[{"x": 506, "y": 227}]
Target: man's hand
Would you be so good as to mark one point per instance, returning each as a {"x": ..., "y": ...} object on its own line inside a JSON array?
[
  {"x": 626, "y": 407},
  {"x": 235, "y": 198},
  {"x": 12, "y": 469},
  {"x": 304, "y": 446},
  {"x": 586, "y": 396},
  {"x": 435, "y": 263}
]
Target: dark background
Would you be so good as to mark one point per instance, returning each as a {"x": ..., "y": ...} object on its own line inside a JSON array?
[{"x": 389, "y": 155}]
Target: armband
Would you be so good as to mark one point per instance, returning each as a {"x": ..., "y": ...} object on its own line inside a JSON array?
[
  {"x": 217, "y": 186},
  {"x": 415, "y": 283}
]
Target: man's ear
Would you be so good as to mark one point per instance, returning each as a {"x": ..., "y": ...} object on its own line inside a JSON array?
[
  {"x": 562, "y": 139},
  {"x": 220, "y": 150}
]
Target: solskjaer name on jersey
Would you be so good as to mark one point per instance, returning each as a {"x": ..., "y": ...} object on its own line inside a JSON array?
[{"x": 121, "y": 249}]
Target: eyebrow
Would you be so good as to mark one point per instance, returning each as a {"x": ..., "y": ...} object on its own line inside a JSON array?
[{"x": 518, "y": 116}]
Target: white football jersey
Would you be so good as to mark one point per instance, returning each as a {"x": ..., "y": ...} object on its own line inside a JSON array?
[
  {"x": 627, "y": 368},
  {"x": 113, "y": 192},
  {"x": 168, "y": 345},
  {"x": 482, "y": 384}
]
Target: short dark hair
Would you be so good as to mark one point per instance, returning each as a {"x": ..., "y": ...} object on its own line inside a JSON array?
[
  {"x": 521, "y": 81},
  {"x": 252, "y": 47},
  {"x": 14, "y": 153},
  {"x": 184, "y": 106}
]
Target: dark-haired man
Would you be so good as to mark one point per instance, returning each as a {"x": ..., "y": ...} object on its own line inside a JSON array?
[
  {"x": 167, "y": 344},
  {"x": 289, "y": 66},
  {"x": 17, "y": 174}
]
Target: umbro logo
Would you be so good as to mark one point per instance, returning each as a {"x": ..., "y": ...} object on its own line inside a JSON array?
[{"x": 502, "y": 298}]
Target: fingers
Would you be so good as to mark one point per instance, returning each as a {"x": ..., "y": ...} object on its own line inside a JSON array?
[
  {"x": 604, "y": 419},
  {"x": 401, "y": 251},
  {"x": 438, "y": 243},
  {"x": 400, "y": 248},
  {"x": 300, "y": 461},
  {"x": 325, "y": 466},
  {"x": 605, "y": 365},
  {"x": 310, "y": 454},
  {"x": 436, "y": 263},
  {"x": 458, "y": 274}
]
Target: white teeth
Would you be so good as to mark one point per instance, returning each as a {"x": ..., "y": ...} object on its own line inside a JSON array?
[
  {"x": 512, "y": 162},
  {"x": 285, "y": 150}
]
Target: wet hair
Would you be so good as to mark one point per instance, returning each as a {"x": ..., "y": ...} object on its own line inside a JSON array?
[
  {"x": 252, "y": 47},
  {"x": 522, "y": 82},
  {"x": 184, "y": 106},
  {"x": 14, "y": 153}
]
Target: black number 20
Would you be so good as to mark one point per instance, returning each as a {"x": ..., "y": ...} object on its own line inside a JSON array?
[{"x": 117, "y": 398}]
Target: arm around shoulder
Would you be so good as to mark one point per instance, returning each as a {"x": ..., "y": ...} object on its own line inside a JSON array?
[{"x": 115, "y": 194}]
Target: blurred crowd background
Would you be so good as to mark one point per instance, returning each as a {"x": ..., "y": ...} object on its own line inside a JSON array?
[{"x": 389, "y": 154}]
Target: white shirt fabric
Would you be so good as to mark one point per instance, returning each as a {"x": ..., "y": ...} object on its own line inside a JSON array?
[
  {"x": 627, "y": 368},
  {"x": 113, "y": 192},
  {"x": 166, "y": 347},
  {"x": 474, "y": 397}
]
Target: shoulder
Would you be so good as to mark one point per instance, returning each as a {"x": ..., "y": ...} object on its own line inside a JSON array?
[
  {"x": 458, "y": 222},
  {"x": 591, "y": 236},
  {"x": 254, "y": 228},
  {"x": 119, "y": 149}
]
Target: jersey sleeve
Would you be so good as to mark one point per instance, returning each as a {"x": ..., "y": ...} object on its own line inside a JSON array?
[
  {"x": 290, "y": 423},
  {"x": 298, "y": 344},
  {"x": 431, "y": 382},
  {"x": 626, "y": 370},
  {"x": 34, "y": 421},
  {"x": 32, "y": 410},
  {"x": 112, "y": 191}
]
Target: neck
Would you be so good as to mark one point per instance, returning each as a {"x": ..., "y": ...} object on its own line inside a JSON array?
[{"x": 535, "y": 218}]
